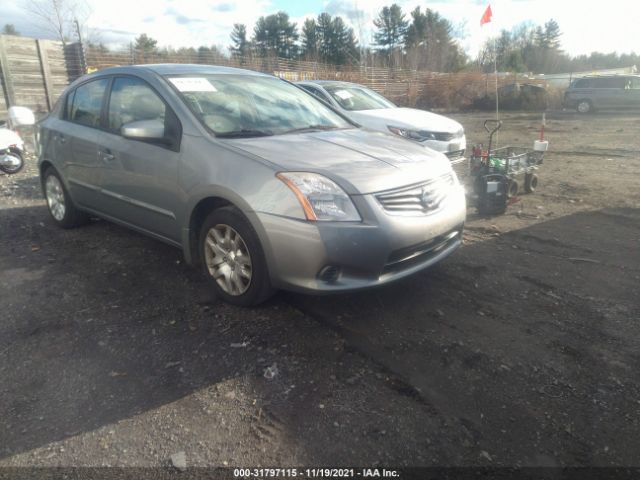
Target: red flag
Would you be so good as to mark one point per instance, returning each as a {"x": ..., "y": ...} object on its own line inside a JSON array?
[{"x": 486, "y": 16}]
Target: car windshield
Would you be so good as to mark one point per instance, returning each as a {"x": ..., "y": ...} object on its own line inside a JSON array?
[
  {"x": 251, "y": 106},
  {"x": 352, "y": 97}
]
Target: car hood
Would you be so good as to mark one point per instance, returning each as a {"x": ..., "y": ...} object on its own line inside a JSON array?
[
  {"x": 360, "y": 161},
  {"x": 406, "y": 118}
]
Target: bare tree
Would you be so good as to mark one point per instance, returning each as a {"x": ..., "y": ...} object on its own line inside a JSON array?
[{"x": 57, "y": 16}]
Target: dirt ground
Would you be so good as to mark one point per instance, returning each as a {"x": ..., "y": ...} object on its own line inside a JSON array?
[{"x": 522, "y": 349}]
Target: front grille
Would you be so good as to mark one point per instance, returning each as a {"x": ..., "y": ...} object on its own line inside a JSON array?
[
  {"x": 407, "y": 257},
  {"x": 422, "y": 198}
]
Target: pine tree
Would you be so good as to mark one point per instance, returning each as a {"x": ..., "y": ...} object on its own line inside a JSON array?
[
  {"x": 552, "y": 35},
  {"x": 391, "y": 29},
  {"x": 240, "y": 45},
  {"x": 145, "y": 44},
  {"x": 276, "y": 35},
  {"x": 309, "y": 39}
]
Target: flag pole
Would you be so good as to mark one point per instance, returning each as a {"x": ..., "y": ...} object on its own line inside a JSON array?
[{"x": 495, "y": 72}]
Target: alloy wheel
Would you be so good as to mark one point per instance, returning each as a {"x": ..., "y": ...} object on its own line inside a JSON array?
[
  {"x": 55, "y": 197},
  {"x": 227, "y": 259}
]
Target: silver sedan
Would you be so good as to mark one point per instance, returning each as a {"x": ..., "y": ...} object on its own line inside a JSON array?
[{"x": 260, "y": 184}]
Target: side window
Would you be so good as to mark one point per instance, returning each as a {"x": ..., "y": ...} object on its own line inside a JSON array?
[
  {"x": 596, "y": 83},
  {"x": 315, "y": 92},
  {"x": 582, "y": 83},
  {"x": 612, "y": 82},
  {"x": 133, "y": 100},
  {"x": 87, "y": 103}
]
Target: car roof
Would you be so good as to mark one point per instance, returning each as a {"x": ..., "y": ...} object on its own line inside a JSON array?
[
  {"x": 612, "y": 75},
  {"x": 179, "y": 69},
  {"x": 323, "y": 83}
]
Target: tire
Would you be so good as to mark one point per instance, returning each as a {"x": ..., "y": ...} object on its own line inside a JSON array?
[
  {"x": 62, "y": 209},
  {"x": 584, "y": 106},
  {"x": 226, "y": 237},
  {"x": 530, "y": 182},
  {"x": 512, "y": 189},
  {"x": 19, "y": 166}
]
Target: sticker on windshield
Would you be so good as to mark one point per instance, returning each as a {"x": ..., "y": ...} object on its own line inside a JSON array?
[
  {"x": 343, "y": 94},
  {"x": 193, "y": 84}
]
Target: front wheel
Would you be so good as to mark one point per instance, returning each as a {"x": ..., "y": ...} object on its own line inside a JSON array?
[
  {"x": 11, "y": 162},
  {"x": 232, "y": 258}
]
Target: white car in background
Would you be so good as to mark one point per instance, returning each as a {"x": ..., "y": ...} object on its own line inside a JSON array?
[{"x": 373, "y": 111}]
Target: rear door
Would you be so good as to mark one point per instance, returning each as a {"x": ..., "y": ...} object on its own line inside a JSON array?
[
  {"x": 632, "y": 92},
  {"x": 76, "y": 141},
  {"x": 139, "y": 178},
  {"x": 608, "y": 92}
]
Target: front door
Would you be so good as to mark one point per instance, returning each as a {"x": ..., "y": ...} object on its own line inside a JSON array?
[{"x": 139, "y": 179}]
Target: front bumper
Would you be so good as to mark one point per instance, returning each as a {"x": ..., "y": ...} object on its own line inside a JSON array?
[
  {"x": 454, "y": 148},
  {"x": 384, "y": 247}
]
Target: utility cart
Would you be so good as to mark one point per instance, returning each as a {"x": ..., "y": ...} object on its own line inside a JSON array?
[{"x": 497, "y": 174}]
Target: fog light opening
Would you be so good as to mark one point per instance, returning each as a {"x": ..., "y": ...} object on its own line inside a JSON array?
[{"x": 329, "y": 274}]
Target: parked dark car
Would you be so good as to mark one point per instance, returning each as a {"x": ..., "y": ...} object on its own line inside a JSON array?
[
  {"x": 603, "y": 92},
  {"x": 516, "y": 96}
]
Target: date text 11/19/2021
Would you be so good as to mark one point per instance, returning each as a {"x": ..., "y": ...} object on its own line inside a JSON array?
[{"x": 315, "y": 473}]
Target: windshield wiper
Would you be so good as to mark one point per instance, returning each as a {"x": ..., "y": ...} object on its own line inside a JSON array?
[
  {"x": 313, "y": 128},
  {"x": 245, "y": 133}
]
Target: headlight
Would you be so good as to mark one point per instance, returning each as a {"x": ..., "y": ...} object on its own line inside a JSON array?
[
  {"x": 417, "y": 135},
  {"x": 320, "y": 198}
]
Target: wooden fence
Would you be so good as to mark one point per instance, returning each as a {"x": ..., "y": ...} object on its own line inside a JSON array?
[
  {"x": 414, "y": 88},
  {"x": 34, "y": 72}
]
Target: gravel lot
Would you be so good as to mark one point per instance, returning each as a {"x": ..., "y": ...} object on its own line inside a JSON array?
[{"x": 523, "y": 348}]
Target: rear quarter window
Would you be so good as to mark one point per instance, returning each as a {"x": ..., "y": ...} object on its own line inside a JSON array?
[
  {"x": 86, "y": 104},
  {"x": 582, "y": 83}
]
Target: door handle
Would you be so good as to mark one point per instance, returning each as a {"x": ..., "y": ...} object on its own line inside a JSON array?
[
  {"x": 60, "y": 138},
  {"x": 106, "y": 155}
]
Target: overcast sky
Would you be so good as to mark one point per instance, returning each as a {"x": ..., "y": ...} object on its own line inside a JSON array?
[{"x": 586, "y": 25}]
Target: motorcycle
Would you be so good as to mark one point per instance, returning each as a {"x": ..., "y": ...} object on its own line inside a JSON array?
[{"x": 12, "y": 147}]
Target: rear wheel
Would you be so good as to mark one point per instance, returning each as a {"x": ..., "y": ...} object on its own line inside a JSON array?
[
  {"x": 12, "y": 162},
  {"x": 232, "y": 258},
  {"x": 530, "y": 182},
  {"x": 584, "y": 106},
  {"x": 61, "y": 207}
]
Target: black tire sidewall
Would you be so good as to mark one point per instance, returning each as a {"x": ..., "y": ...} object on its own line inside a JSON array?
[
  {"x": 530, "y": 183},
  {"x": 260, "y": 287}
]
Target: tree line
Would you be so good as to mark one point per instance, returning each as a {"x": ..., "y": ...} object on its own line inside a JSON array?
[
  {"x": 421, "y": 39},
  {"x": 538, "y": 49}
]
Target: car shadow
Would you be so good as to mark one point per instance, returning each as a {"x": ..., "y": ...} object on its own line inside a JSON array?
[
  {"x": 514, "y": 336},
  {"x": 100, "y": 324}
]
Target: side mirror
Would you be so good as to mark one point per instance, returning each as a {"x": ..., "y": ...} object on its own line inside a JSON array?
[{"x": 144, "y": 130}]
